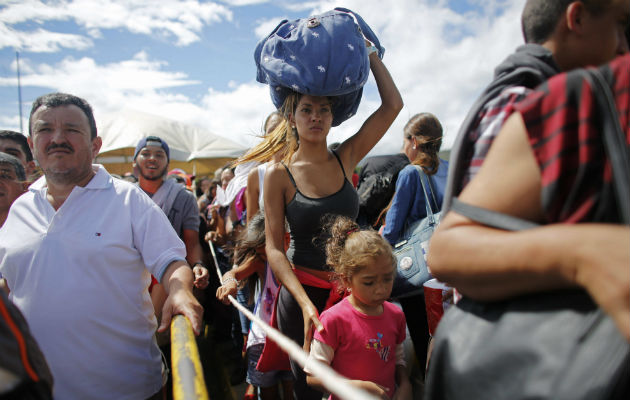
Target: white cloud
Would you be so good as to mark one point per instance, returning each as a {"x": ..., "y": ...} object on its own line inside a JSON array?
[
  {"x": 439, "y": 59},
  {"x": 306, "y": 5},
  {"x": 238, "y": 114},
  {"x": 136, "y": 83},
  {"x": 240, "y": 3},
  {"x": 172, "y": 19},
  {"x": 139, "y": 74},
  {"x": 265, "y": 26},
  {"x": 13, "y": 122},
  {"x": 144, "y": 84},
  {"x": 41, "y": 40}
]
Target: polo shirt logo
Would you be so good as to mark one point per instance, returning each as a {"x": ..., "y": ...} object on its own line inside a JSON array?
[{"x": 97, "y": 234}]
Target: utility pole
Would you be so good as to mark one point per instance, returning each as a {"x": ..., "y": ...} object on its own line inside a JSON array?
[{"x": 17, "y": 59}]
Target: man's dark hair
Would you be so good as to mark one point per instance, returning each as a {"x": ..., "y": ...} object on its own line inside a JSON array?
[
  {"x": 8, "y": 159},
  {"x": 21, "y": 140},
  {"x": 540, "y": 17},
  {"x": 52, "y": 100}
]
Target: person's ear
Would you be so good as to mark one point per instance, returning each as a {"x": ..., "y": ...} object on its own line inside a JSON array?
[
  {"x": 97, "y": 142},
  {"x": 30, "y": 167},
  {"x": 574, "y": 16},
  {"x": 346, "y": 282}
]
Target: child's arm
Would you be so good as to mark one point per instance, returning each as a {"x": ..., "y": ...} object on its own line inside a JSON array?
[
  {"x": 230, "y": 278},
  {"x": 403, "y": 391},
  {"x": 319, "y": 352},
  {"x": 368, "y": 386}
]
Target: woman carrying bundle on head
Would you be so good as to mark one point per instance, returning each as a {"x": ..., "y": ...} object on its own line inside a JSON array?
[{"x": 310, "y": 183}]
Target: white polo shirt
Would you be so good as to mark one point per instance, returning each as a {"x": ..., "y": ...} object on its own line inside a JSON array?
[{"x": 78, "y": 275}]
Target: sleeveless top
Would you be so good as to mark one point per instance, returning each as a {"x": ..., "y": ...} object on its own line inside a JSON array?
[
  {"x": 262, "y": 168},
  {"x": 305, "y": 216}
]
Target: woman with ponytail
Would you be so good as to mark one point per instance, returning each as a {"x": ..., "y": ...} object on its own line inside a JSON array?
[
  {"x": 422, "y": 141},
  {"x": 310, "y": 183}
]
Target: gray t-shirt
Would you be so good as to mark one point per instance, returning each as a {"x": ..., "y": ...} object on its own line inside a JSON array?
[{"x": 179, "y": 205}]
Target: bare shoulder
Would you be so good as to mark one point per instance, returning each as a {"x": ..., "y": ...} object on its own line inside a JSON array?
[
  {"x": 252, "y": 172},
  {"x": 277, "y": 179},
  {"x": 276, "y": 171},
  {"x": 252, "y": 178}
]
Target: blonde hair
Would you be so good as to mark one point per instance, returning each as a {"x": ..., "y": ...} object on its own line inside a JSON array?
[
  {"x": 282, "y": 138},
  {"x": 427, "y": 130},
  {"x": 349, "y": 249}
]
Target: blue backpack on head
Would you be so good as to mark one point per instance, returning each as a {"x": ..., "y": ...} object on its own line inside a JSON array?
[{"x": 323, "y": 55}]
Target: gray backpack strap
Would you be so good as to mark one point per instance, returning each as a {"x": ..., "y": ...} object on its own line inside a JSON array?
[{"x": 491, "y": 218}]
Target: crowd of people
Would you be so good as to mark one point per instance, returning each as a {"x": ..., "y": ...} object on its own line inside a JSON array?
[{"x": 94, "y": 266}]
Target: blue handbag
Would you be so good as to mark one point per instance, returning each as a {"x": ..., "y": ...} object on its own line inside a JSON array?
[
  {"x": 412, "y": 270},
  {"x": 323, "y": 55}
]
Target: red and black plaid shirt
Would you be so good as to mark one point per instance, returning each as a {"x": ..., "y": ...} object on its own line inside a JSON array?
[{"x": 566, "y": 139}]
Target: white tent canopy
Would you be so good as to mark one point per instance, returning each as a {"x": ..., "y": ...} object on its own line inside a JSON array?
[{"x": 121, "y": 132}]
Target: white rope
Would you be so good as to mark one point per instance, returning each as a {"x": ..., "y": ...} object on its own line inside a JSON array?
[{"x": 331, "y": 380}]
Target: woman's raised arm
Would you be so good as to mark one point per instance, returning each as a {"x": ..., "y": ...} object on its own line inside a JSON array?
[{"x": 356, "y": 147}]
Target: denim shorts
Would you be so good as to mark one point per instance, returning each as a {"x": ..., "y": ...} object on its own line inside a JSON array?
[
  {"x": 263, "y": 379},
  {"x": 242, "y": 296}
]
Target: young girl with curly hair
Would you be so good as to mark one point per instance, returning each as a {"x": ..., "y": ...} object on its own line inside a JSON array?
[{"x": 363, "y": 334}]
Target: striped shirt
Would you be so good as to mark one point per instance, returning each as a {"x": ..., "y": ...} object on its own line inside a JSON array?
[{"x": 566, "y": 138}]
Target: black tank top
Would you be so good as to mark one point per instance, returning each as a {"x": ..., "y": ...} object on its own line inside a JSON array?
[{"x": 305, "y": 217}]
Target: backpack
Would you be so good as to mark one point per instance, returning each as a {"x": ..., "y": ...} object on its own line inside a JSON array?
[{"x": 375, "y": 193}]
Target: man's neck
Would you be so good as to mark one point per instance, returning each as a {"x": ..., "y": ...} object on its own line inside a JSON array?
[
  {"x": 58, "y": 192},
  {"x": 3, "y": 216},
  {"x": 150, "y": 186}
]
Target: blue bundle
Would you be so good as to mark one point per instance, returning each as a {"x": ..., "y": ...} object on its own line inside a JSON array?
[{"x": 323, "y": 55}]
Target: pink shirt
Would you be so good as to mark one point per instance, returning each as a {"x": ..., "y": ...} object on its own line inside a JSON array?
[{"x": 364, "y": 345}]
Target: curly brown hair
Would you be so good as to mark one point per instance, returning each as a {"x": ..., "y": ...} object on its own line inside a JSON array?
[{"x": 349, "y": 249}]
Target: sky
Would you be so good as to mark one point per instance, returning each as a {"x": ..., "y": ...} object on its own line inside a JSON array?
[{"x": 192, "y": 60}]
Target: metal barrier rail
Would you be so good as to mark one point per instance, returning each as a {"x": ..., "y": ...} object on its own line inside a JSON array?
[
  {"x": 188, "y": 380},
  {"x": 331, "y": 380}
]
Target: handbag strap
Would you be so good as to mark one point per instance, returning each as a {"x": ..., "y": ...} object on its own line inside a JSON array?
[
  {"x": 615, "y": 147},
  {"x": 427, "y": 200}
]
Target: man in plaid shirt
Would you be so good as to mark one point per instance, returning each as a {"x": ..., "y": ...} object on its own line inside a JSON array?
[{"x": 560, "y": 35}]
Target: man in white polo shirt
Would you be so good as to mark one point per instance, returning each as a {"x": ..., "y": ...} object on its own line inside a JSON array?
[{"x": 73, "y": 251}]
